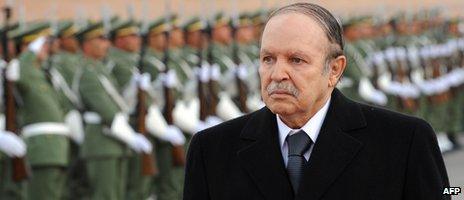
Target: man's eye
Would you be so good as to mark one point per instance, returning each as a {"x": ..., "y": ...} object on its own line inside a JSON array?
[
  {"x": 296, "y": 60},
  {"x": 267, "y": 59}
]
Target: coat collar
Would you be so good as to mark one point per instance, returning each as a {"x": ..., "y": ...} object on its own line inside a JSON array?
[{"x": 261, "y": 156}]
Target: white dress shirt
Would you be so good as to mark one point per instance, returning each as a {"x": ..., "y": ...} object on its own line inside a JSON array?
[{"x": 312, "y": 128}]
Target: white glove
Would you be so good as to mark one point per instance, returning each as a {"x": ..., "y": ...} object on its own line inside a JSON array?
[
  {"x": 367, "y": 91},
  {"x": 36, "y": 45},
  {"x": 144, "y": 80},
  {"x": 203, "y": 73},
  {"x": 213, "y": 121},
  {"x": 142, "y": 144},
  {"x": 215, "y": 72},
  {"x": 242, "y": 72},
  {"x": 186, "y": 116},
  {"x": 13, "y": 71},
  {"x": 11, "y": 144},
  {"x": 210, "y": 121},
  {"x": 201, "y": 126},
  {"x": 74, "y": 121},
  {"x": 170, "y": 79},
  {"x": 155, "y": 122},
  {"x": 121, "y": 130},
  {"x": 174, "y": 136},
  {"x": 254, "y": 102},
  {"x": 226, "y": 109}
]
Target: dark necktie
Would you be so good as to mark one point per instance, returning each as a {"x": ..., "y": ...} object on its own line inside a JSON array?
[{"x": 298, "y": 144}]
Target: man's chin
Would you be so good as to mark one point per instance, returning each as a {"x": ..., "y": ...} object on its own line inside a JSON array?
[{"x": 281, "y": 108}]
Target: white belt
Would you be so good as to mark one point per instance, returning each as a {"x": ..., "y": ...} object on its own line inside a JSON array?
[
  {"x": 92, "y": 118},
  {"x": 45, "y": 128}
]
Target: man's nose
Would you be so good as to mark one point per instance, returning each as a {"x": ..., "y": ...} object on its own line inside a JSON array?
[{"x": 279, "y": 71}]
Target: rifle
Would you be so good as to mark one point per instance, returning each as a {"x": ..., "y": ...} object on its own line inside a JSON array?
[
  {"x": 148, "y": 159},
  {"x": 402, "y": 75},
  {"x": 241, "y": 86},
  {"x": 436, "y": 72},
  {"x": 213, "y": 84},
  {"x": 178, "y": 152},
  {"x": 21, "y": 170},
  {"x": 202, "y": 87}
]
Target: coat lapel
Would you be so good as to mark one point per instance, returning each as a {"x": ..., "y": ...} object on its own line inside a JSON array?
[
  {"x": 334, "y": 148},
  {"x": 261, "y": 157}
]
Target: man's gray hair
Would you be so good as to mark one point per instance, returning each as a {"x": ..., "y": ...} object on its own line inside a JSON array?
[{"x": 325, "y": 19}]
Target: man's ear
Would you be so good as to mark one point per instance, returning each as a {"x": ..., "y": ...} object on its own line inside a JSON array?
[{"x": 336, "y": 68}]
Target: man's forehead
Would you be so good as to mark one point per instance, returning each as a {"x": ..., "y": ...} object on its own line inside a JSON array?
[
  {"x": 292, "y": 30},
  {"x": 297, "y": 21}
]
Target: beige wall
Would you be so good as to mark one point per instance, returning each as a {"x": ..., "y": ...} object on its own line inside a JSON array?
[{"x": 43, "y": 9}]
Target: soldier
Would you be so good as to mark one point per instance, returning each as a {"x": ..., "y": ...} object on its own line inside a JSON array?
[
  {"x": 108, "y": 133},
  {"x": 357, "y": 70},
  {"x": 244, "y": 37},
  {"x": 125, "y": 38},
  {"x": 165, "y": 135},
  {"x": 67, "y": 58},
  {"x": 248, "y": 62},
  {"x": 154, "y": 52},
  {"x": 221, "y": 44},
  {"x": 169, "y": 183},
  {"x": 194, "y": 40},
  {"x": 45, "y": 133}
]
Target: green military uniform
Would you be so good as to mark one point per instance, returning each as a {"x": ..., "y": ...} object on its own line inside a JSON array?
[
  {"x": 106, "y": 158},
  {"x": 222, "y": 55},
  {"x": 153, "y": 63},
  {"x": 44, "y": 132}
]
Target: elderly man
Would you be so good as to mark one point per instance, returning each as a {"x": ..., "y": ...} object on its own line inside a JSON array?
[{"x": 311, "y": 142}]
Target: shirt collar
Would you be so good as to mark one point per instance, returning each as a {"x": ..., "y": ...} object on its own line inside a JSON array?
[{"x": 312, "y": 127}]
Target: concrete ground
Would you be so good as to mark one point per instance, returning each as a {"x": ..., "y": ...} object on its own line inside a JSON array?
[{"x": 454, "y": 162}]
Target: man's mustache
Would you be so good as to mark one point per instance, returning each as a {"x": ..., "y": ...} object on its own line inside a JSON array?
[{"x": 282, "y": 86}]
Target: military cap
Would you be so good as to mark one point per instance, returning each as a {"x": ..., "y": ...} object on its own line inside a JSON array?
[
  {"x": 220, "y": 19},
  {"x": 244, "y": 20},
  {"x": 124, "y": 28},
  {"x": 454, "y": 20},
  {"x": 353, "y": 21},
  {"x": 365, "y": 19},
  {"x": 66, "y": 29},
  {"x": 93, "y": 30},
  {"x": 174, "y": 20},
  {"x": 194, "y": 24},
  {"x": 258, "y": 17},
  {"x": 158, "y": 26},
  {"x": 29, "y": 32},
  {"x": 348, "y": 22}
]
